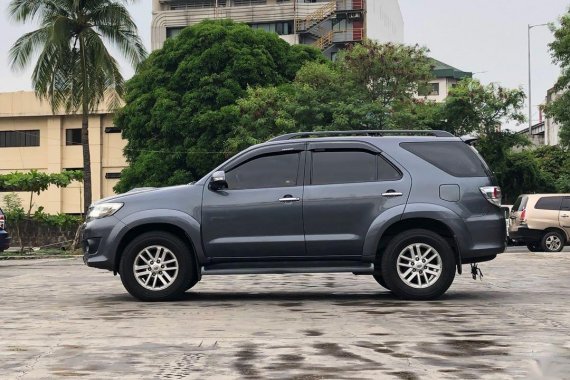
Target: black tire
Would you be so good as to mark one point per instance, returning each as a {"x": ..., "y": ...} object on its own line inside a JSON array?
[
  {"x": 552, "y": 241},
  {"x": 186, "y": 275},
  {"x": 428, "y": 238},
  {"x": 533, "y": 247},
  {"x": 379, "y": 279}
]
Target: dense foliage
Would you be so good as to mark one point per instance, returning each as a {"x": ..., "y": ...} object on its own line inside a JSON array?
[
  {"x": 559, "y": 109},
  {"x": 180, "y": 105},
  {"x": 34, "y": 182},
  {"x": 190, "y": 106}
]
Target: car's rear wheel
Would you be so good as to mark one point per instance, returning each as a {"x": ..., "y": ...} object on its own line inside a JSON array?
[
  {"x": 418, "y": 264},
  {"x": 157, "y": 266},
  {"x": 533, "y": 247},
  {"x": 380, "y": 280},
  {"x": 552, "y": 241}
]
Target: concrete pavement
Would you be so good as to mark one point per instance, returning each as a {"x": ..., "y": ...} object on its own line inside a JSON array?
[{"x": 61, "y": 319}]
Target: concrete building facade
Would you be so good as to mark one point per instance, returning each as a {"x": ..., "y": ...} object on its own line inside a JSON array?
[
  {"x": 326, "y": 24},
  {"x": 445, "y": 78},
  {"x": 32, "y": 137},
  {"x": 551, "y": 128}
]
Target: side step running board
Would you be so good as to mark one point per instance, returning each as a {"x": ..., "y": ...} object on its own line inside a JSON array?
[{"x": 356, "y": 269}]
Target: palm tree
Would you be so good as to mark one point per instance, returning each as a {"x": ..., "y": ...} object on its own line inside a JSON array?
[{"x": 74, "y": 70}]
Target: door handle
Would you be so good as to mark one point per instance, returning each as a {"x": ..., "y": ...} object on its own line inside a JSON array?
[
  {"x": 565, "y": 216},
  {"x": 289, "y": 198},
  {"x": 392, "y": 193}
]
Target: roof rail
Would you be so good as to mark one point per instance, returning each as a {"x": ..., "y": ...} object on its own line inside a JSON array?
[{"x": 372, "y": 132}]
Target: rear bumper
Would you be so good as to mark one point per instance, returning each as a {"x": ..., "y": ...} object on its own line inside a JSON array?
[
  {"x": 526, "y": 235},
  {"x": 487, "y": 235},
  {"x": 5, "y": 240}
]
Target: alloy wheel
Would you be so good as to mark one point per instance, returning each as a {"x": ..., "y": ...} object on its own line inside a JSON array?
[
  {"x": 419, "y": 265},
  {"x": 155, "y": 267},
  {"x": 553, "y": 243}
]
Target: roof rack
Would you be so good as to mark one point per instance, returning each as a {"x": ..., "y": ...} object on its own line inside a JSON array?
[{"x": 372, "y": 132}]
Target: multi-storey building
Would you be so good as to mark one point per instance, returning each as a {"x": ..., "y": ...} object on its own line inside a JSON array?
[
  {"x": 33, "y": 137},
  {"x": 445, "y": 78},
  {"x": 326, "y": 24}
]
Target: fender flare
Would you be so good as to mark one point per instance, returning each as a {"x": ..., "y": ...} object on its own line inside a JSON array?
[
  {"x": 411, "y": 211},
  {"x": 176, "y": 218}
]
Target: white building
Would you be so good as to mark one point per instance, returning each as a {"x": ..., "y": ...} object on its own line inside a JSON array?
[
  {"x": 551, "y": 128},
  {"x": 445, "y": 78},
  {"x": 326, "y": 24}
]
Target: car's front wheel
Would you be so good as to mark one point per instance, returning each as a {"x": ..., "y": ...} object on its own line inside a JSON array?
[
  {"x": 157, "y": 266},
  {"x": 418, "y": 264},
  {"x": 552, "y": 241}
]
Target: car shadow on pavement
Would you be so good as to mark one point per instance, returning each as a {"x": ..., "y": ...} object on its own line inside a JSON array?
[{"x": 383, "y": 298}]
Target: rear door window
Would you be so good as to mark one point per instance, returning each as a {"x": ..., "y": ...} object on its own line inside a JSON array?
[
  {"x": 548, "y": 203},
  {"x": 343, "y": 166},
  {"x": 453, "y": 157}
]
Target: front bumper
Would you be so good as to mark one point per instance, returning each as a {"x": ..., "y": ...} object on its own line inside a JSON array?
[{"x": 99, "y": 241}]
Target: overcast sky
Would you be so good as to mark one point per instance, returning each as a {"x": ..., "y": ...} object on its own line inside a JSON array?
[{"x": 487, "y": 37}]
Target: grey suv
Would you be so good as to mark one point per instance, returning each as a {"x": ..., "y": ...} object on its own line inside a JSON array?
[{"x": 407, "y": 207}]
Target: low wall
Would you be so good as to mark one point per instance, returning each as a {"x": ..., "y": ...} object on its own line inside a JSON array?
[{"x": 38, "y": 234}]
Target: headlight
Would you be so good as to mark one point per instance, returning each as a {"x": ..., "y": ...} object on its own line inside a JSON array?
[{"x": 103, "y": 210}]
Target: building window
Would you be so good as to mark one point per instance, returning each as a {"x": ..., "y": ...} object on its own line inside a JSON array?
[
  {"x": 112, "y": 130},
  {"x": 73, "y": 136},
  {"x": 15, "y": 139},
  {"x": 113, "y": 175},
  {"x": 431, "y": 89},
  {"x": 281, "y": 28},
  {"x": 173, "y": 32}
]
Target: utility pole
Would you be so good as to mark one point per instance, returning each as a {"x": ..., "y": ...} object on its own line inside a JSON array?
[{"x": 530, "y": 81}]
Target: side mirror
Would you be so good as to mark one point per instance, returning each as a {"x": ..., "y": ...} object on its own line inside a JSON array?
[{"x": 218, "y": 181}]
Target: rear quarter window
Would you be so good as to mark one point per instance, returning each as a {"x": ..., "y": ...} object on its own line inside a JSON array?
[{"x": 453, "y": 157}]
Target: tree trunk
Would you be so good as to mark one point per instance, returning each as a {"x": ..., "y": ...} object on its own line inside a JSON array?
[{"x": 87, "y": 198}]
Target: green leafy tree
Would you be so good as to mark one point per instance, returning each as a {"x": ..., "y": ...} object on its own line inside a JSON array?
[
  {"x": 387, "y": 73},
  {"x": 74, "y": 70},
  {"x": 559, "y": 108},
  {"x": 371, "y": 86},
  {"x": 474, "y": 108},
  {"x": 554, "y": 162},
  {"x": 522, "y": 174},
  {"x": 35, "y": 182},
  {"x": 181, "y": 105}
]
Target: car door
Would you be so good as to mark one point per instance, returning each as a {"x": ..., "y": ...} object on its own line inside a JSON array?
[
  {"x": 565, "y": 216},
  {"x": 347, "y": 186},
  {"x": 260, "y": 214}
]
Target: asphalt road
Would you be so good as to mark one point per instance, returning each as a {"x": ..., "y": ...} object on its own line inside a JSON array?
[{"x": 61, "y": 319}]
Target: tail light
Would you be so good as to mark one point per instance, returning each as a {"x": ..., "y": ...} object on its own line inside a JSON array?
[
  {"x": 492, "y": 194},
  {"x": 2, "y": 221},
  {"x": 523, "y": 216}
]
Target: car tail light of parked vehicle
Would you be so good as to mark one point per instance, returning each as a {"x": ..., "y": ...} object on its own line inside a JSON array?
[
  {"x": 492, "y": 194},
  {"x": 523, "y": 216},
  {"x": 2, "y": 221}
]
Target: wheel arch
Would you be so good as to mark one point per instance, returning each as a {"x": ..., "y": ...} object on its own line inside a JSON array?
[
  {"x": 182, "y": 226},
  {"x": 430, "y": 224},
  {"x": 559, "y": 230}
]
